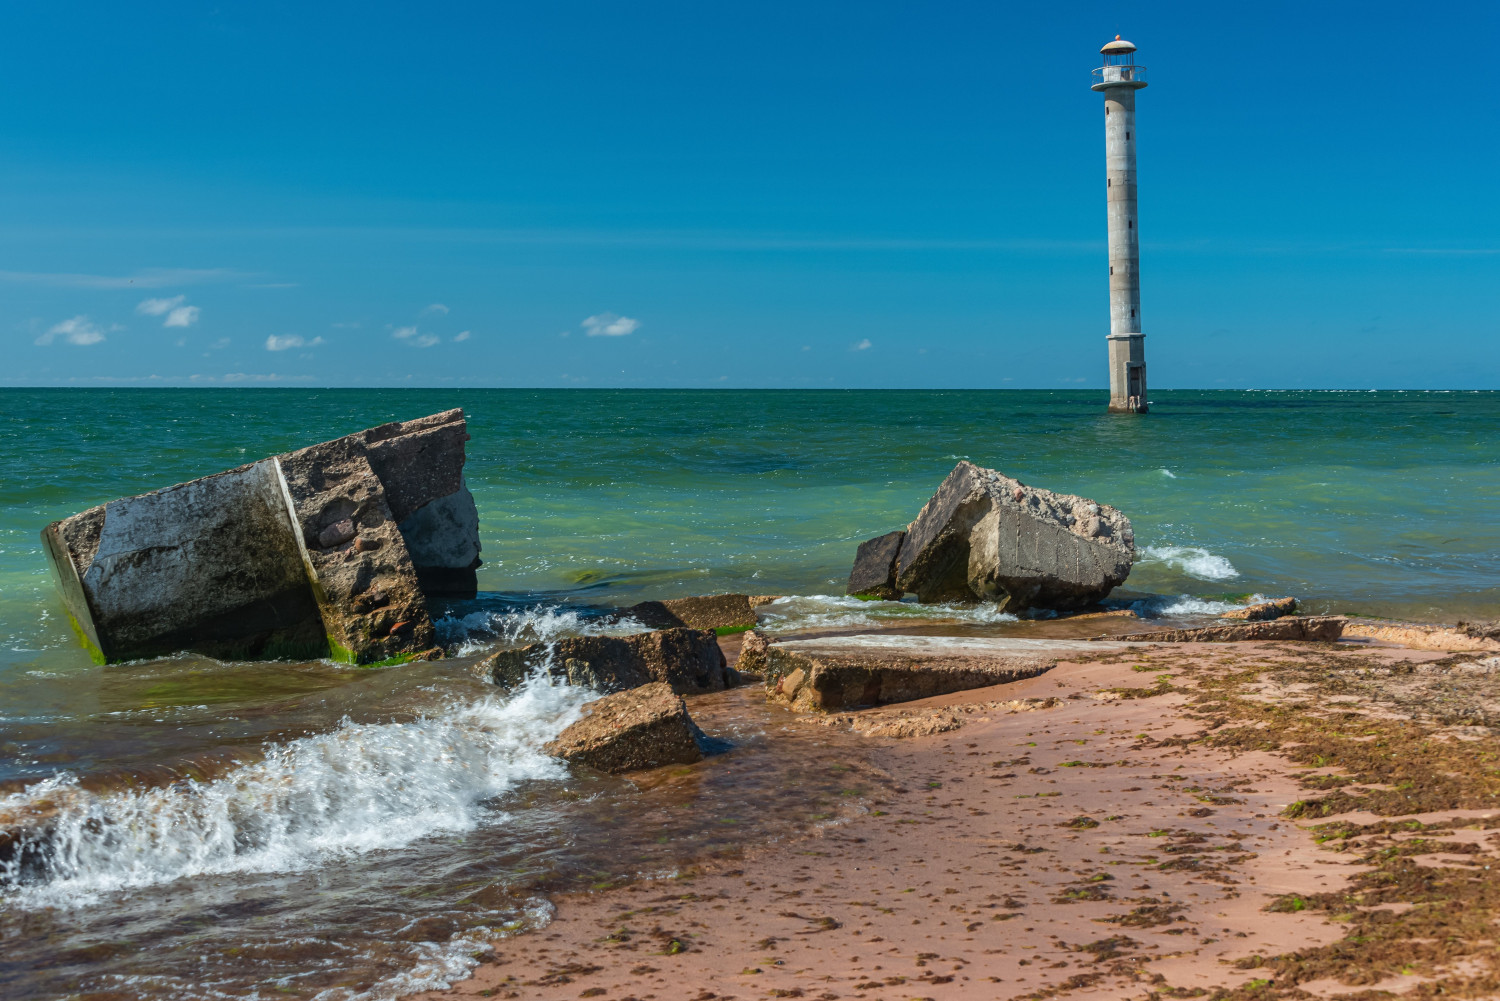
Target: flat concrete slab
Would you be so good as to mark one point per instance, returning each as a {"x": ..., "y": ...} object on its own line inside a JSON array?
[{"x": 833, "y": 673}]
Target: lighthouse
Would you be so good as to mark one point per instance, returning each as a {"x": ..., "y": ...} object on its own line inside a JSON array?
[{"x": 1119, "y": 78}]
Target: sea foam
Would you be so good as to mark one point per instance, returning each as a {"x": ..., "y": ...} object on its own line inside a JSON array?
[
  {"x": 355, "y": 789},
  {"x": 1190, "y": 560}
]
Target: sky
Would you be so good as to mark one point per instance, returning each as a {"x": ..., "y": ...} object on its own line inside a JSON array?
[{"x": 795, "y": 195}]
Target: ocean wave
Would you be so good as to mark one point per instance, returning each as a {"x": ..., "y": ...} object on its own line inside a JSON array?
[
  {"x": 478, "y": 631},
  {"x": 804, "y": 613},
  {"x": 355, "y": 789},
  {"x": 1191, "y": 560}
]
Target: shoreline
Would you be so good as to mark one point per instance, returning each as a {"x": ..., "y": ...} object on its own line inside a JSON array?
[{"x": 1095, "y": 844}]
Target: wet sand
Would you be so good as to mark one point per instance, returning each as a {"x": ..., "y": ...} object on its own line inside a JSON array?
[{"x": 1032, "y": 852}]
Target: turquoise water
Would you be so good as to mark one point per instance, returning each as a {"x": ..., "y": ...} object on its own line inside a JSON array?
[
  {"x": 355, "y": 833},
  {"x": 1374, "y": 502}
]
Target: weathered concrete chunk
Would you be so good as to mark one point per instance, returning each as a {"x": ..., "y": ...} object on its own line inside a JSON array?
[
  {"x": 689, "y": 660},
  {"x": 362, "y": 576},
  {"x": 709, "y": 611},
  {"x": 1313, "y": 628},
  {"x": 985, "y": 536},
  {"x": 841, "y": 672},
  {"x": 298, "y": 555},
  {"x": 646, "y": 727},
  {"x": 874, "y": 573},
  {"x": 1263, "y": 611}
]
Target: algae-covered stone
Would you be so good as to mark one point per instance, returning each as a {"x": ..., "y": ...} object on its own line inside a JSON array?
[{"x": 646, "y": 727}]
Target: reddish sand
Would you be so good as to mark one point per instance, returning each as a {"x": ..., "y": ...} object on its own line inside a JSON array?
[{"x": 969, "y": 881}]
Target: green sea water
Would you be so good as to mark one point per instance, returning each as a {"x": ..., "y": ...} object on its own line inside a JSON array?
[
  {"x": 318, "y": 831},
  {"x": 1380, "y": 503}
]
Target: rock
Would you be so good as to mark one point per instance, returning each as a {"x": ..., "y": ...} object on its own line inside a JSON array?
[
  {"x": 753, "y": 648},
  {"x": 836, "y": 673},
  {"x": 646, "y": 727},
  {"x": 1479, "y": 630},
  {"x": 984, "y": 536},
  {"x": 756, "y": 600},
  {"x": 1317, "y": 628},
  {"x": 688, "y": 660},
  {"x": 280, "y": 558},
  {"x": 713, "y": 611},
  {"x": 1264, "y": 611},
  {"x": 874, "y": 573}
]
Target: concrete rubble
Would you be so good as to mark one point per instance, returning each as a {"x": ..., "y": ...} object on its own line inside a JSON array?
[
  {"x": 645, "y": 727},
  {"x": 689, "y": 661},
  {"x": 330, "y": 550},
  {"x": 986, "y": 537}
]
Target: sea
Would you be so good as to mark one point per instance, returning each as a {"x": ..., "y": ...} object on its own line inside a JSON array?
[{"x": 311, "y": 830}]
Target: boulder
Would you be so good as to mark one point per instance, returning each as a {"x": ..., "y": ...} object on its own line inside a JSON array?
[
  {"x": 710, "y": 611},
  {"x": 1315, "y": 628},
  {"x": 1263, "y": 611},
  {"x": 298, "y": 555},
  {"x": 874, "y": 573},
  {"x": 646, "y": 727},
  {"x": 985, "y": 536},
  {"x": 688, "y": 660},
  {"x": 841, "y": 672}
]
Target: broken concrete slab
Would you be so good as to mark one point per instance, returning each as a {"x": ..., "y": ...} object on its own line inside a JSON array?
[
  {"x": 1463, "y": 638},
  {"x": 986, "y": 537},
  {"x": 865, "y": 669},
  {"x": 689, "y": 660},
  {"x": 298, "y": 555},
  {"x": 874, "y": 572},
  {"x": 646, "y": 727},
  {"x": 1311, "y": 628}
]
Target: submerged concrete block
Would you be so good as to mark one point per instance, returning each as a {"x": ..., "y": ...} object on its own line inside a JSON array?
[{"x": 299, "y": 555}]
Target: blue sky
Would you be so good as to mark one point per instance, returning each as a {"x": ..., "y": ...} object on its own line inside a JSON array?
[{"x": 768, "y": 194}]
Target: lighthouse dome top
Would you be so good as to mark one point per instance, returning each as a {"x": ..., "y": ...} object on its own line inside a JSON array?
[{"x": 1118, "y": 47}]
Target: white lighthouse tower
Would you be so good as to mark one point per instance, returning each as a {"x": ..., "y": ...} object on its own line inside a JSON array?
[{"x": 1119, "y": 78}]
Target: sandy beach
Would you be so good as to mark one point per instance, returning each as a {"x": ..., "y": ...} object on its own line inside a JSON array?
[{"x": 1078, "y": 834}]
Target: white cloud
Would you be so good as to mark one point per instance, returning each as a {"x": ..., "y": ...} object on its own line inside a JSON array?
[
  {"x": 79, "y": 330},
  {"x": 182, "y": 316},
  {"x": 610, "y": 325},
  {"x": 436, "y": 307},
  {"x": 157, "y": 307},
  {"x": 464, "y": 335},
  {"x": 274, "y": 343},
  {"x": 863, "y": 345},
  {"x": 415, "y": 339}
]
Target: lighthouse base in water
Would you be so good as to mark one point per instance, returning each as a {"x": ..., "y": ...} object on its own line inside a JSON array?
[{"x": 1127, "y": 374}]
